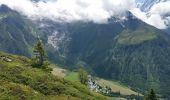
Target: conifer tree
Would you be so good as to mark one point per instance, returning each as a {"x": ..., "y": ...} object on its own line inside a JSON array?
[
  {"x": 39, "y": 55},
  {"x": 83, "y": 76},
  {"x": 151, "y": 95}
]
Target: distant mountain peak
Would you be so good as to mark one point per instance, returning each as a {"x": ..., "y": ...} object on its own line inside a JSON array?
[
  {"x": 4, "y": 9},
  {"x": 145, "y": 5}
]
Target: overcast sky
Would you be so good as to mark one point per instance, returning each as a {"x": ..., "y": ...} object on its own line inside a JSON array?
[{"x": 97, "y": 11}]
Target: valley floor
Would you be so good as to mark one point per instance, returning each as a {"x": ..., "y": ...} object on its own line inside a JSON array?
[{"x": 73, "y": 76}]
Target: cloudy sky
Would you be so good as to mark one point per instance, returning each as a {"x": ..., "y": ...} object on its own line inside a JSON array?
[
  {"x": 158, "y": 15},
  {"x": 90, "y": 10}
]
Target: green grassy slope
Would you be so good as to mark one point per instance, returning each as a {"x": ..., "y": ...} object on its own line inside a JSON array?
[
  {"x": 72, "y": 76},
  {"x": 19, "y": 81},
  {"x": 141, "y": 35}
]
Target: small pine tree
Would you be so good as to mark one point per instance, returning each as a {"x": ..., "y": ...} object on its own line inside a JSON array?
[
  {"x": 40, "y": 56},
  {"x": 151, "y": 95},
  {"x": 83, "y": 76}
]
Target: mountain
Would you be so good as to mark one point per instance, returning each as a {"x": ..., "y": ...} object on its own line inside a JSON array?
[
  {"x": 145, "y": 5},
  {"x": 129, "y": 51},
  {"x": 20, "y": 81},
  {"x": 17, "y": 35}
]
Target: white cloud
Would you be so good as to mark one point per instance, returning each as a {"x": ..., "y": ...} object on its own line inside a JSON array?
[
  {"x": 69, "y": 10},
  {"x": 161, "y": 8},
  {"x": 152, "y": 19},
  {"x": 90, "y": 10},
  {"x": 157, "y": 16},
  {"x": 157, "y": 21}
]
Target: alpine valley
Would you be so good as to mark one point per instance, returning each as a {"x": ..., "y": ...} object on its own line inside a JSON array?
[{"x": 128, "y": 51}]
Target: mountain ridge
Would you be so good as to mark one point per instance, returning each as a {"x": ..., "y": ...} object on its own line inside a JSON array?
[
  {"x": 16, "y": 32},
  {"x": 123, "y": 51}
]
